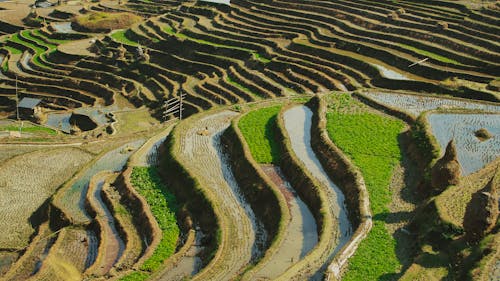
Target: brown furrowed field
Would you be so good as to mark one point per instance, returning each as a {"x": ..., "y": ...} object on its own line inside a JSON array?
[{"x": 26, "y": 182}]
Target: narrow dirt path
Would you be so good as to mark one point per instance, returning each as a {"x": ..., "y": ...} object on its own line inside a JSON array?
[
  {"x": 298, "y": 125},
  {"x": 201, "y": 153},
  {"x": 301, "y": 235}
]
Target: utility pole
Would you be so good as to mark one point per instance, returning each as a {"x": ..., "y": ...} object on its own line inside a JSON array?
[
  {"x": 17, "y": 102},
  {"x": 17, "y": 109},
  {"x": 174, "y": 105},
  {"x": 180, "y": 108}
]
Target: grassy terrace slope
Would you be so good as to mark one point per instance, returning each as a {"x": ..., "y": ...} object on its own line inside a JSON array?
[
  {"x": 257, "y": 128},
  {"x": 371, "y": 141},
  {"x": 148, "y": 184}
]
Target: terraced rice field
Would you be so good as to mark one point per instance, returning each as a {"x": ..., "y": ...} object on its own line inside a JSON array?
[
  {"x": 298, "y": 125},
  {"x": 158, "y": 90},
  {"x": 241, "y": 232},
  {"x": 301, "y": 235},
  {"x": 371, "y": 141},
  {"x": 72, "y": 197},
  {"x": 473, "y": 153},
  {"x": 415, "y": 104},
  {"x": 27, "y": 181}
]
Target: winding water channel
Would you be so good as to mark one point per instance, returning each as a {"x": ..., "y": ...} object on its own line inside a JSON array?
[
  {"x": 301, "y": 235},
  {"x": 298, "y": 122}
]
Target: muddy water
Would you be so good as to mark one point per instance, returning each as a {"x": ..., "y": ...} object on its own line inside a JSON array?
[
  {"x": 301, "y": 235},
  {"x": 415, "y": 105},
  {"x": 189, "y": 264},
  {"x": 63, "y": 27},
  {"x": 59, "y": 121},
  {"x": 111, "y": 161},
  {"x": 115, "y": 244},
  {"x": 258, "y": 227},
  {"x": 25, "y": 60},
  {"x": 473, "y": 154},
  {"x": 298, "y": 125},
  {"x": 201, "y": 152},
  {"x": 391, "y": 74}
]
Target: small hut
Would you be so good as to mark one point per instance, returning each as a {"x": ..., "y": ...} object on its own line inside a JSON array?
[{"x": 28, "y": 107}]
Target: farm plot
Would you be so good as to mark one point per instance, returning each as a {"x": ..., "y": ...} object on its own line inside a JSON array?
[
  {"x": 239, "y": 235},
  {"x": 416, "y": 104},
  {"x": 473, "y": 152},
  {"x": 26, "y": 182},
  {"x": 371, "y": 141},
  {"x": 301, "y": 235},
  {"x": 72, "y": 198},
  {"x": 298, "y": 125},
  {"x": 163, "y": 206},
  {"x": 8, "y": 151},
  {"x": 111, "y": 244}
]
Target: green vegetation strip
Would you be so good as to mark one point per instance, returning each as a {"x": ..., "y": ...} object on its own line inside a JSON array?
[
  {"x": 430, "y": 55},
  {"x": 38, "y": 33},
  {"x": 371, "y": 141},
  {"x": 12, "y": 50},
  {"x": 147, "y": 182},
  {"x": 27, "y": 34},
  {"x": 120, "y": 36},
  {"x": 30, "y": 129},
  {"x": 258, "y": 128},
  {"x": 169, "y": 30}
]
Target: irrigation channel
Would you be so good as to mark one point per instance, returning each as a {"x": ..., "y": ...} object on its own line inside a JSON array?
[
  {"x": 242, "y": 235},
  {"x": 301, "y": 235},
  {"x": 298, "y": 122}
]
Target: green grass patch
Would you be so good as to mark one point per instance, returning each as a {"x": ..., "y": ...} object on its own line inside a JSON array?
[
  {"x": 371, "y": 141},
  {"x": 430, "y": 55},
  {"x": 13, "y": 50},
  {"x": 260, "y": 58},
  {"x": 147, "y": 182},
  {"x": 135, "y": 276},
  {"x": 169, "y": 30},
  {"x": 38, "y": 33},
  {"x": 15, "y": 38},
  {"x": 258, "y": 128},
  {"x": 120, "y": 36},
  {"x": 27, "y": 34},
  {"x": 30, "y": 129}
]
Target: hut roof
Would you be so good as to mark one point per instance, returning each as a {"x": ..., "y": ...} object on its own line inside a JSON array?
[{"x": 29, "y": 103}]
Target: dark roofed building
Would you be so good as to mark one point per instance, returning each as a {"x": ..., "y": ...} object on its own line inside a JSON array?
[{"x": 28, "y": 107}]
